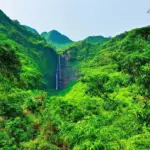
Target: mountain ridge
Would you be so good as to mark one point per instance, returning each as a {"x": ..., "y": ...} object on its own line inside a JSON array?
[
  {"x": 31, "y": 29},
  {"x": 97, "y": 39},
  {"x": 57, "y": 39}
]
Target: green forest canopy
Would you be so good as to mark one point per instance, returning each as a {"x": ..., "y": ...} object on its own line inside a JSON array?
[{"x": 108, "y": 107}]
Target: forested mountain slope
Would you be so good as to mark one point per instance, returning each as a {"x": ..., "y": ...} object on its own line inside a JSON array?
[
  {"x": 27, "y": 65},
  {"x": 31, "y": 29},
  {"x": 56, "y": 39},
  {"x": 97, "y": 39},
  {"x": 34, "y": 54},
  {"x": 108, "y": 108},
  {"x": 74, "y": 56}
]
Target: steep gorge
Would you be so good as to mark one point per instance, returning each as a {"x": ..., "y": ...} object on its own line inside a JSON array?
[
  {"x": 72, "y": 60},
  {"x": 65, "y": 72}
]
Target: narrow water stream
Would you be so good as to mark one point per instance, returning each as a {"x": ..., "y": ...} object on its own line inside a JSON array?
[
  {"x": 58, "y": 73},
  {"x": 57, "y": 77}
]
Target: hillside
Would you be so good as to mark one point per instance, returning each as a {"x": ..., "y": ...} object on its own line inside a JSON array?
[
  {"x": 31, "y": 29},
  {"x": 74, "y": 56},
  {"x": 56, "y": 39},
  {"x": 27, "y": 70},
  {"x": 32, "y": 50},
  {"x": 97, "y": 39},
  {"x": 108, "y": 108}
]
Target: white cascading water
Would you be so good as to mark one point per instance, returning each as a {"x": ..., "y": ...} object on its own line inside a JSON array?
[
  {"x": 59, "y": 71},
  {"x": 58, "y": 75},
  {"x": 57, "y": 78}
]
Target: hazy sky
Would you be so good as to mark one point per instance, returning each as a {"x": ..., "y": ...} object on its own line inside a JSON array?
[{"x": 79, "y": 18}]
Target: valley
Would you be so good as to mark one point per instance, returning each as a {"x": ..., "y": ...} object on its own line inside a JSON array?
[{"x": 58, "y": 94}]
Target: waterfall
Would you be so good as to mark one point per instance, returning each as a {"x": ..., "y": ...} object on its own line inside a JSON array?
[
  {"x": 57, "y": 77},
  {"x": 59, "y": 70},
  {"x": 58, "y": 73}
]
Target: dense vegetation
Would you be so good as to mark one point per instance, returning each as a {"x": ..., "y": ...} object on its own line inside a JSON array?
[
  {"x": 106, "y": 108},
  {"x": 37, "y": 58},
  {"x": 27, "y": 66},
  {"x": 97, "y": 39},
  {"x": 31, "y": 29}
]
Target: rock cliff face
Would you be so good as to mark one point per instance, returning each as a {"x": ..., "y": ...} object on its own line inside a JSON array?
[
  {"x": 72, "y": 60},
  {"x": 65, "y": 71}
]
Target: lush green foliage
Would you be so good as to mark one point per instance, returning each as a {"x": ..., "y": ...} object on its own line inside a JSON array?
[
  {"x": 37, "y": 58},
  {"x": 27, "y": 64},
  {"x": 97, "y": 39},
  {"x": 107, "y": 108}
]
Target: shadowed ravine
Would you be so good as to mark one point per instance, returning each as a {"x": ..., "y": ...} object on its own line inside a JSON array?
[{"x": 65, "y": 72}]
